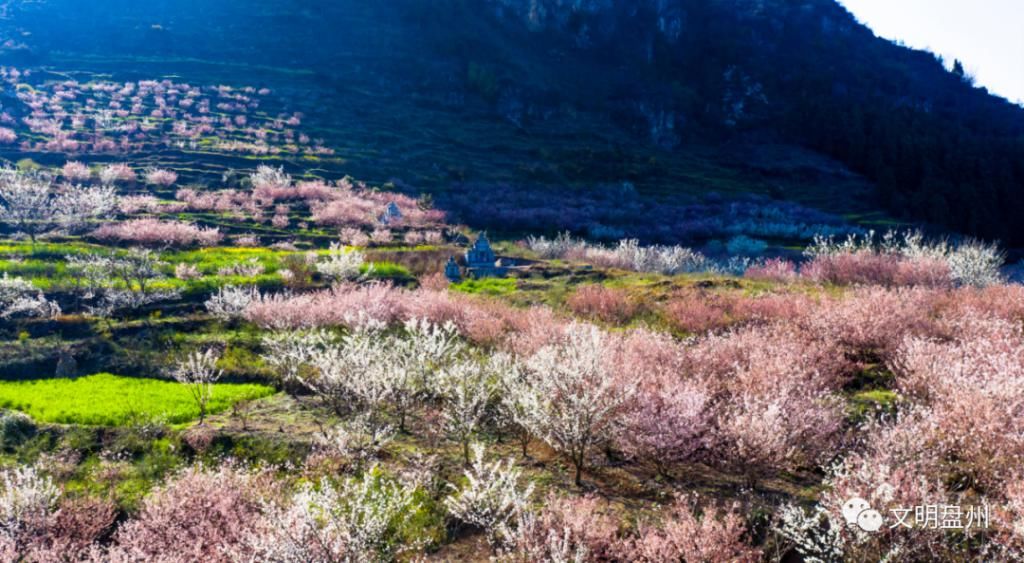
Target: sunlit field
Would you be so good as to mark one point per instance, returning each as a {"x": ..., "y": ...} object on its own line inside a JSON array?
[{"x": 110, "y": 400}]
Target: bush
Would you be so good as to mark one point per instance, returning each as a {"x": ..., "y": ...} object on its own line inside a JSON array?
[
  {"x": 745, "y": 246},
  {"x": 602, "y": 303},
  {"x": 15, "y": 429}
]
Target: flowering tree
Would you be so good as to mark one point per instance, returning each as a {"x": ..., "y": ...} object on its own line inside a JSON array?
[
  {"x": 200, "y": 514},
  {"x": 424, "y": 351},
  {"x": 118, "y": 281},
  {"x": 466, "y": 394},
  {"x": 75, "y": 171},
  {"x": 157, "y": 233},
  {"x": 491, "y": 499},
  {"x": 683, "y": 536},
  {"x": 114, "y": 173},
  {"x": 351, "y": 371},
  {"x": 270, "y": 177},
  {"x": 358, "y": 440},
  {"x": 27, "y": 505},
  {"x": 18, "y": 297},
  {"x": 290, "y": 352},
  {"x": 514, "y": 396},
  {"x": 230, "y": 302},
  {"x": 198, "y": 371},
  {"x": 33, "y": 204},
  {"x": 566, "y": 529},
  {"x": 783, "y": 430},
  {"x": 571, "y": 399},
  {"x": 358, "y": 521},
  {"x": 669, "y": 422},
  {"x": 895, "y": 465},
  {"x": 343, "y": 264},
  {"x": 161, "y": 177}
]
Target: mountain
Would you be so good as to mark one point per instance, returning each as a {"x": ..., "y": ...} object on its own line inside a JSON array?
[
  {"x": 676, "y": 99},
  {"x": 937, "y": 148}
]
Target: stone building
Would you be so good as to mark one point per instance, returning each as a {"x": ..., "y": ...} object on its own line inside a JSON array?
[
  {"x": 392, "y": 214},
  {"x": 480, "y": 262},
  {"x": 452, "y": 270}
]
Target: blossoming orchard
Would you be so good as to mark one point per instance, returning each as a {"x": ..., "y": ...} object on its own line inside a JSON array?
[
  {"x": 241, "y": 321},
  {"x": 550, "y": 415}
]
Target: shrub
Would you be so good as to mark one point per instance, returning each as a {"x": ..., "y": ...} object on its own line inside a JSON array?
[
  {"x": 491, "y": 498},
  {"x": 602, "y": 303},
  {"x": 15, "y": 429},
  {"x": 154, "y": 232},
  {"x": 775, "y": 270},
  {"x": 566, "y": 529},
  {"x": 199, "y": 515},
  {"x": 75, "y": 171},
  {"x": 161, "y": 177},
  {"x": 719, "y": 535}
]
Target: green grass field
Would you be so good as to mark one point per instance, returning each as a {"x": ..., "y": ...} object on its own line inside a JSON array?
[{"x": 113, "y": 400}]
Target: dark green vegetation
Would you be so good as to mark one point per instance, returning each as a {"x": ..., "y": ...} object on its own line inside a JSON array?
[{"x": 733, "y": 97}]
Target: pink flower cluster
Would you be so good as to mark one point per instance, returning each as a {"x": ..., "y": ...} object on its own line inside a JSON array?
[
  {"x": 354, "y": 204},
  {"x": 146, "y": 115},
  {"x": 157, "y": 233},
  {"x": 871, "y": 268},
  {"x": 602, "y": 303},
  {"x": 685, "y": 532},
  {"x": 159, "y": 177},
  {"x": 353, "y": 207}
]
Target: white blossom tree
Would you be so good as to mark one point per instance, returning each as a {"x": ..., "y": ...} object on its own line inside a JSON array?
[
  {"x": 118, "y": 282},
  {"x": 514, "y": 394},
  {"x": 230, "y": 302},
  {"x": 424, "y": 351},
  {"x": 326, "y": 523},
  {"x": 19, "y": 298},
  {"x": 28, "y": 500},
  {"x": 368, "y": 367},
  {"x": 343, "y": 264},
  {"x": 198, "y": 371},
  {"x": 571, "y": 398},
  {"x": 466, "y": 394},
  {"x": 290, "y": 352},
  {"x": 491, "y": 499},
  {"x": 33, "y": 204},
  {"x": 358, "y": 440}
]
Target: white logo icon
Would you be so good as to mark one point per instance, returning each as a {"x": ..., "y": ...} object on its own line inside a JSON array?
[
  {"x": 853, "y": 507},
  {"x": 870, "y": 520},
  {"x": 857, "y": 511}
]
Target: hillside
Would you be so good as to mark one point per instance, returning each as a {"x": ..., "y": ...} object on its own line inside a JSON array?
[{"x": 791, "y": 100}]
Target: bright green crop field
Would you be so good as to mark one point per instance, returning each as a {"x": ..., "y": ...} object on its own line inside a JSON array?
[{"x": 112, "y": 400}]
